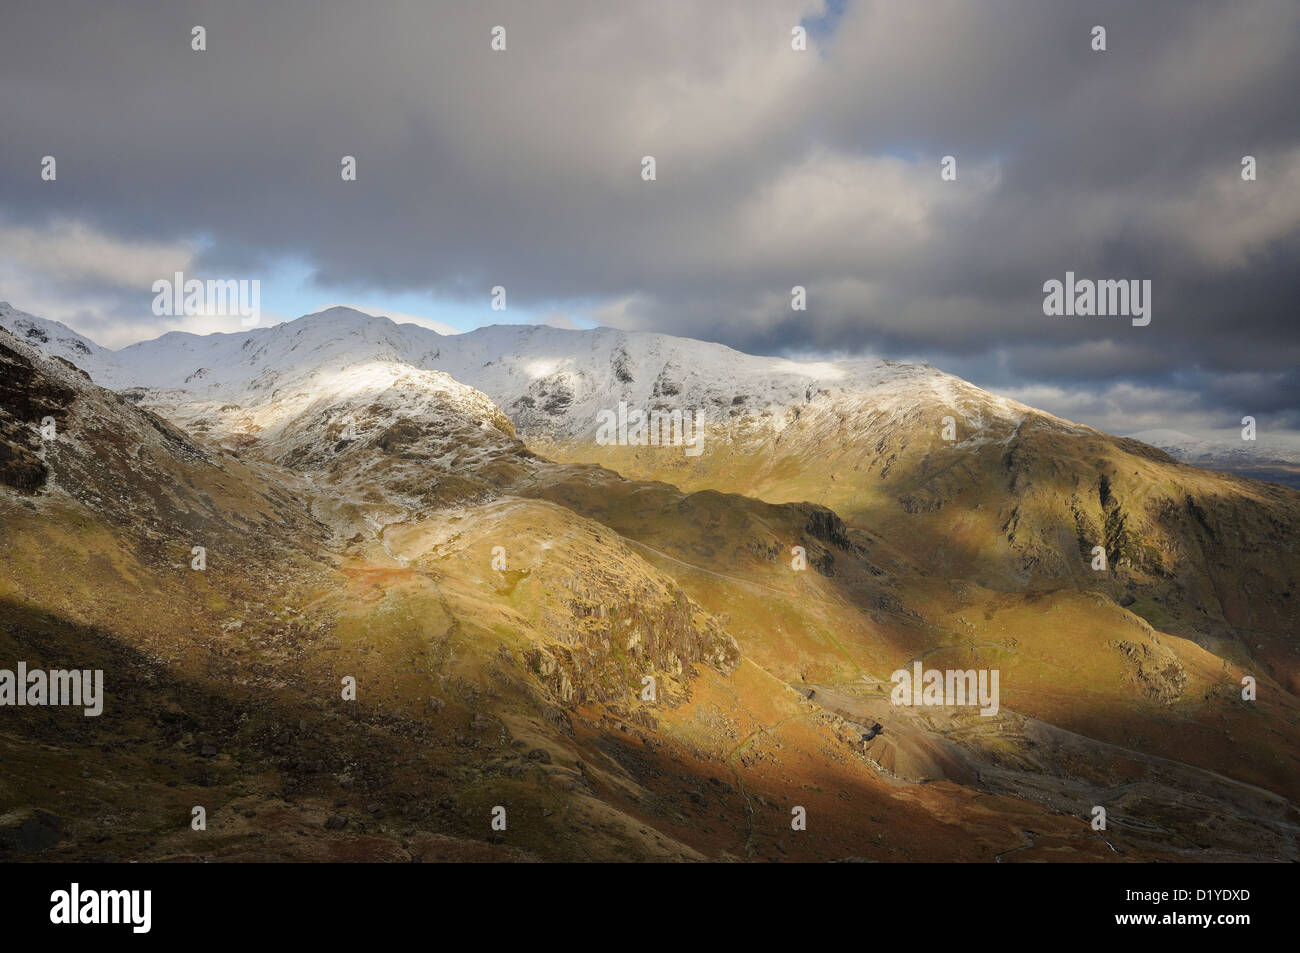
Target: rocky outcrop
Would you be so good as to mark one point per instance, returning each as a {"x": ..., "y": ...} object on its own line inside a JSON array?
[{"x": 28, "y": 397}]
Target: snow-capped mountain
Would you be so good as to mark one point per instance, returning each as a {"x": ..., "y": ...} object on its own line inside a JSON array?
[
  {"x": 1228, "y": 450},
  {"x": 365, "y": 506},
  {"x": 59, "y": 340},
  {"x": 554, "y": 383}
]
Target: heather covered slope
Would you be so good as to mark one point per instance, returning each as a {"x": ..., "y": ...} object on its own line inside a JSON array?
[
  {"x": 1016, "y": 498},
  {"x": 222, "y": 685},
  {"x": 1020, "y": 506},
  {"x": 862, "y": 609},
  {"x": 477, "y": 687},
  {"x": 496, "y": 604}
]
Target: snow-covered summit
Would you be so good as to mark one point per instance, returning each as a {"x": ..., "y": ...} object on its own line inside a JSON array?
[
  {"x": 59, "y": 340},
  {"x": 552, "y": 381}
]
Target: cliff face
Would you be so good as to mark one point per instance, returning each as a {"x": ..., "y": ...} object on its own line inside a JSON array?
[{"x": 27, "y": 397}]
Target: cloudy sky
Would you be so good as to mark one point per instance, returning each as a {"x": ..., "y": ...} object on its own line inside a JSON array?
[{"x": 774, "y": 167}]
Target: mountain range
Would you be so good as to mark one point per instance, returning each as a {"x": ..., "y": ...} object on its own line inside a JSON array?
[{"x": 634, "y": 651}]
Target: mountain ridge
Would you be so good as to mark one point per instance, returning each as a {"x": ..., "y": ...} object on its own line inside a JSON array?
[
  {"x": 172, "y": 360},
  {"x": 476, "y": 358}
]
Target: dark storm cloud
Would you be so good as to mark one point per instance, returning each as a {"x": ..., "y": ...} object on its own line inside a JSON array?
[{"x": 775, "y": 168}]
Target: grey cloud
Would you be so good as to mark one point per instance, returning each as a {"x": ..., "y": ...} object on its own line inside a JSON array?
[{"x": 775, "y": 168}]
